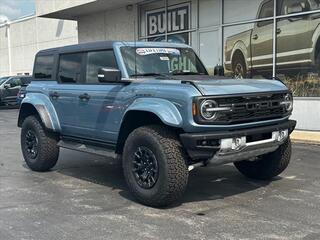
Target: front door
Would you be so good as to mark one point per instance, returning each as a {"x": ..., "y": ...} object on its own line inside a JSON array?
[
  {"x": 99, "y": 112},
  {"x": 12, "y": 88},
  {"x": 261, "y": 40}
]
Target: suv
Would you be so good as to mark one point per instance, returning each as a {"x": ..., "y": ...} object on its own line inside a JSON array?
[
  {"x": 154, "y": 106},
  {"x": 9, "y": 89}
]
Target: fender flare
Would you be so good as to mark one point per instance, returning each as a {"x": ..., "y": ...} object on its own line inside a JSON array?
[
  {"x": 240, "y": 46},
  {"x": 164, "y": 109},
  {"x": 44, "y": 108}
]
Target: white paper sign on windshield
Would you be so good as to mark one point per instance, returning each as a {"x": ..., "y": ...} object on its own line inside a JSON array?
[{"x": 148, "y": 51}]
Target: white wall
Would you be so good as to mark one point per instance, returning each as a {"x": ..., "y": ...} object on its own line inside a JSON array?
[
  {"x": 4, "y": 58},
  {"x": 49, "y": 6},
  {"x": 306, "y": 111},
  {"x": 116, "y": 24},
  {"x": 30, "y": 35}
]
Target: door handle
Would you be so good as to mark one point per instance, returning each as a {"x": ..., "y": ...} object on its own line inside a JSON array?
[
  {"x": 255, "y": 37},
  {"x": 54, "y": 95},
  {"x": 84, "y": 96},
  {"x": 278, "y": 30}
]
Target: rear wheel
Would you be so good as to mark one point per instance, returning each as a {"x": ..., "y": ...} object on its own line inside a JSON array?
[
  {"x": 239, "y": 67},
  {"x": 39, "y": 147},
  {"x": 267, "y": 166},
  {"x": 154, "y": 166}
]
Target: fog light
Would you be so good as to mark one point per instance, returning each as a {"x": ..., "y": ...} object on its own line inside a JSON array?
[
  {"x": 237, "y": 143},
  {"x": 282, "y": 135},
  {"x": 233, "y": 143}
]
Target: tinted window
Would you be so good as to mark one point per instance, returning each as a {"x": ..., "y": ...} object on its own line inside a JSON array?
[
  {"x": 266, "y": 10},
  {"x": 70, "y": 68},
  {"x": 14, "y": 82},
  {"x": 97, "y": 60},
  {"x": 43, "y": 67},
  {"x": 297, "y": 6}
]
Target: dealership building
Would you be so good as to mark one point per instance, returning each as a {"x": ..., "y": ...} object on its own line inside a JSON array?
[{"x": 249, "y": 38}]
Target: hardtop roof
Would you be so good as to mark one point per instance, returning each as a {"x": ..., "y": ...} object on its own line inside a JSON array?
[{"x": 100, "y": 45}]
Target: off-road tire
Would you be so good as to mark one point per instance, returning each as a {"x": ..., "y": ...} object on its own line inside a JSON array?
[
  {"x": 173, "y": 171},
  {"x": 267, "y": 166},
  {"x": 238, "y": 60},
  {"x": 48, "y": 150}
]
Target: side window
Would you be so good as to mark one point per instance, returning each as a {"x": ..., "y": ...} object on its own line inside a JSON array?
[
  {"x": 97, "y": 60},
  {"x": 43, "y": 67},
  {"x": 266, "y": 11},
  {"x": 298, "y": 6},
  {"x": 14, "y": 82},
  {"x": 70, "y": 68}
]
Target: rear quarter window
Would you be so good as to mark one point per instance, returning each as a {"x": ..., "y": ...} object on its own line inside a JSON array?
[{"x": 43, "y": 67}]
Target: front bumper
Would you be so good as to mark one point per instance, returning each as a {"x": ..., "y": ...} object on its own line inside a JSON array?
[{"x": 253, "y": 142}]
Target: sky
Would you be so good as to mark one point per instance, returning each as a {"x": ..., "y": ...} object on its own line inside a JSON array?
[{"x": 14, "y": 9}]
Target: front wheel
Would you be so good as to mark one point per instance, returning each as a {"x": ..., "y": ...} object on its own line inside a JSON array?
[
  {"x": 239, "y": 67},
  {"x": 267, "y": 166},
  {"x": 154, "y": 166},
  {"x": 39, "y": 147}
]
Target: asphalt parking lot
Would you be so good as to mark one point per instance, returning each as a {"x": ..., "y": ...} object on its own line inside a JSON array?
[{"x": 85, "y": 197}]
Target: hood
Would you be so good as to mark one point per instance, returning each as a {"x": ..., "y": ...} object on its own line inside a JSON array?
[
  {"x": 209, "y": 85},
  {"x": 235, "y": 86}
]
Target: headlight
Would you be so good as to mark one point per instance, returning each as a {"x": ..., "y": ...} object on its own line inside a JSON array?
[
  {"x": 288, "y": 102},
  {"x": 207, "y": 109}
]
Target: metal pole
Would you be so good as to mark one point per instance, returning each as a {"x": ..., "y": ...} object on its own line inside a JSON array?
[
  {"x": 166, "y": 19},
  {"x": 274, "y": 42},
  {"x": 9, "y": 47}
]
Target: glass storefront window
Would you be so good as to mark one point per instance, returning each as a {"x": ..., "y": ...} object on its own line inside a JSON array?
[
  {"x": 245, "y": 10},
  {"x": 298, "y": 54},
  {"x": 247, "y": 32},
  {"x": 248, "y": 50},
  {"x": 297, "y": 6}
]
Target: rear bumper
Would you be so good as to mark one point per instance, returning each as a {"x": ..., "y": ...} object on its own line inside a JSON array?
[{"x": 260, "y": 140}]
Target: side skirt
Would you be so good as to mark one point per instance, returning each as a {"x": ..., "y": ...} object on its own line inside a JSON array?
[{"x": 89, "y": 146}]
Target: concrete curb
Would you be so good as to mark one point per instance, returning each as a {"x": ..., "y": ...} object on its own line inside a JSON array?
[{"x": 305, "y": 137}]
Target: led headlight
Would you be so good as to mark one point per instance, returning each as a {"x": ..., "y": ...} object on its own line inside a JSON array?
[
  {"x": 207, "y": 109},
  {"x": 288, "y": 102}
]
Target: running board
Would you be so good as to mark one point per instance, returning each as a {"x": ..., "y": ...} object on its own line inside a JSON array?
[{"x": 83, "y": 147}]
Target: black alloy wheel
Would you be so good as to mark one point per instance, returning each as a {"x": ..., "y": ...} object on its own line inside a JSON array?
[{"x": 145, "y": 167}]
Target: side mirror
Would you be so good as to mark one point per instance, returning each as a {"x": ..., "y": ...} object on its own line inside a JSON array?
[
  {"x": 109, "y": 75},
  {"x": 7, "y": 86},
  {"x": 296, "y": 8}
]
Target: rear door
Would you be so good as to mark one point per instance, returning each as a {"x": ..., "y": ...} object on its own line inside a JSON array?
[
  {"x": 294, "y": 35},
  {"x": 64, "y": 95}
]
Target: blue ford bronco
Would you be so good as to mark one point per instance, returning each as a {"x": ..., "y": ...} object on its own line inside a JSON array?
[{"x": 154, "y": 107}]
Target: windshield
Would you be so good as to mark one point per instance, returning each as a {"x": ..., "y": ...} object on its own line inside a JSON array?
[
  {"x": 161, "y": 61},
  {"x": 3, "y": 79}
]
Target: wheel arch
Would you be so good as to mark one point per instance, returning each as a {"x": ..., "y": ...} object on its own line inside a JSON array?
[
  {"x": 35, "y": 105},
  {"x": 148, "y": 112},
  {"x": 240, "y": 49}
]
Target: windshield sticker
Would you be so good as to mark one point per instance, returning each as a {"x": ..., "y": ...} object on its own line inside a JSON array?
[
  {"x": 164, "y": 58},
  {"x": 148, "y": 51}
]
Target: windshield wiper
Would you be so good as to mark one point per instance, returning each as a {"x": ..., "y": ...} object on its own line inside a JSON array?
[
  {"x": 186, "y": 73},
  {"x": 150, "y": 75}
]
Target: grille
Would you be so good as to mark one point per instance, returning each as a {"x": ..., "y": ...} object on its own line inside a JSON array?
[{"x": 246, "y": 109}]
